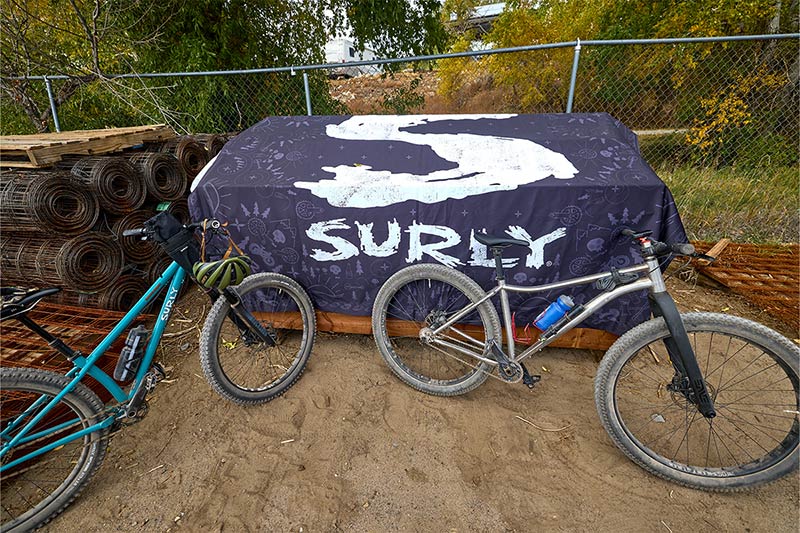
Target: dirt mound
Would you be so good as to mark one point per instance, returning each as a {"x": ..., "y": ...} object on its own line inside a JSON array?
[{"x": 368, "y": 94}]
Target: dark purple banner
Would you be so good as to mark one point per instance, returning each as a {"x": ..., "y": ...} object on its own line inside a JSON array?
[{"x": 341, "y": 203}]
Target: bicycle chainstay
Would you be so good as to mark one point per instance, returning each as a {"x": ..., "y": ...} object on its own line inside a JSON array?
[{"x": 511, "y": 372}]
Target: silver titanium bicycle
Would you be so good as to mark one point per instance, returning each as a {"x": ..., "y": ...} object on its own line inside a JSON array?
[{"x": 706, "y": 400}]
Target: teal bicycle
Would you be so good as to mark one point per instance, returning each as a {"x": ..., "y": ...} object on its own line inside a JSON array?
[{"x": 54, "y": 430}]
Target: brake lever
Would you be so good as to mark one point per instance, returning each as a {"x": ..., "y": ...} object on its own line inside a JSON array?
[{"x": 704, "y": 257}]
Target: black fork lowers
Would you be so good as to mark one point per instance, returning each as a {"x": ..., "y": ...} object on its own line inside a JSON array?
[{"x": 682, "y": 356}]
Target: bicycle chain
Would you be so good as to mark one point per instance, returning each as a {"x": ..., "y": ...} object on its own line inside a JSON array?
[{"x": 475, "y": 367}]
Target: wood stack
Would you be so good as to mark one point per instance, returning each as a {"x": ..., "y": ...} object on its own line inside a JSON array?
[{"x": 70, "y": 196}]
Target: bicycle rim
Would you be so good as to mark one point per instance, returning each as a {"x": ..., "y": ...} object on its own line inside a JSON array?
[
  {"x": 755, "y": 393},
  {"x": 428, "y": 303},
  {"x": 35, "y": 490},
  {"x": 252, "y": 365}
]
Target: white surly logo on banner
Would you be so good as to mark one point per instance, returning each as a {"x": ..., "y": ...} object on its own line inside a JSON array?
[
  {"x": 444, "y": 239},
  {"x": 485, "y": 164}
]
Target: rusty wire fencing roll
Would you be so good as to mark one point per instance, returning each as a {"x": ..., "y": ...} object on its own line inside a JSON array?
[
  {"x": 180, "y": 210},
  {"x": 157, "y": 267},
  {"x": 117, "y": 184},
  {"x": 213, "y": 143},
  {"x": 134, "y": 248},
  {"x": 121, "y": 296},
  {"x": 37, "y": 201},
  {"x": 190, "y": 153},
  {"x": 88, "y": 262},
  {"x": 163, "y": 175}
]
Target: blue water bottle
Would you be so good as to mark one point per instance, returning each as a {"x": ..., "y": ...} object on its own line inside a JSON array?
[{"x": 554, "y": 311}]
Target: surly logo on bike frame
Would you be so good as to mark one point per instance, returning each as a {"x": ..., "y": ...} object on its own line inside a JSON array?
[
  {"x": 170, "y": 300},
  {"x": 423, "y": 240}
]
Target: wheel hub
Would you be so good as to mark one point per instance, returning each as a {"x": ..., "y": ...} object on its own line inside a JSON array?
[{"x": 426, "y": 335}]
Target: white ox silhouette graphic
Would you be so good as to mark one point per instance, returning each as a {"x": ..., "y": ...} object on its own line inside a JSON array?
[{"x": 485, "y": 164}]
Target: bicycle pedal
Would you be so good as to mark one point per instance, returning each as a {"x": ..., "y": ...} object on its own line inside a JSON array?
[
  {"x": 159, "y": 372},
  {"x": 530, "y": 379}
]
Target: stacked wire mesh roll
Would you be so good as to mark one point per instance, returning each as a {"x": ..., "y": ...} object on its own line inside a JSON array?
[
  {"x": 63, "y": 226},
  {"x": 191, "y": 153}
]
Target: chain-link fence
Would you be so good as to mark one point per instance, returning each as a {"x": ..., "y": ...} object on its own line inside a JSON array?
[{"x": 710, "y": 102}]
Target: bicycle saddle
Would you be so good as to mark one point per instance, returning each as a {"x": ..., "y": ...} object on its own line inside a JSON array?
[
  {"x": 16, "y": 301},
  {"x": 493, "y": 241}
]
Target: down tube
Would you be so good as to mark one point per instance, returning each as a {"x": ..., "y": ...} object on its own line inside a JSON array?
[
  {"x": 161, "y": 322},
  {"x": 172, "y": 272}
]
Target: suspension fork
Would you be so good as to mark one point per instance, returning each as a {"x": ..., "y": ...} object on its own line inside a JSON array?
[
  {"x": 241, "y": 317},
  {"x": 681, "y": 353}
]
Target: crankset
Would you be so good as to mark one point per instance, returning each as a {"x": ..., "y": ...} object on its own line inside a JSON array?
[{"x": 137, "y": 407}]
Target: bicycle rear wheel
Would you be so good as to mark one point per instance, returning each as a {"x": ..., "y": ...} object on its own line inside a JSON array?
[
  {"x": 751, "y": 373},
  {"x": 238, "y": 365},
  {"x": 37, "y": 490},
  {"x": 425, "y": 296}
]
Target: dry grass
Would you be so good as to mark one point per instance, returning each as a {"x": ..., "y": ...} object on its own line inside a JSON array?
[{"x": 754, "y": 205}]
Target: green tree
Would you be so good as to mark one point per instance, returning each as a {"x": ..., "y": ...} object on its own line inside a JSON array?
[
  {"x": 739, "y": 100},
  {"x": 80, "y": 39},
  {"x": 529, "y": 82},
  {"x": 90, "y": 40}
]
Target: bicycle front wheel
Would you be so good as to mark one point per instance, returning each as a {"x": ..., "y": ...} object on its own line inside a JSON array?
[
  {"x": 35, "y": 491},
  {"x": 421, "y": 298},
  {"x": 240, "y": 366},
  {"x": 751, "y": 373}
]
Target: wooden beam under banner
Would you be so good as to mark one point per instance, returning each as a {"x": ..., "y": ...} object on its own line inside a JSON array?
[{"x": 580, "y": 338}]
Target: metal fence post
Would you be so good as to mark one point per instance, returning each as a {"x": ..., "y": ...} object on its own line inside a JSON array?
[
  {"x": 52, "y": 103},
  {"x": 308, "y": 93},
  {"x": 575, "y": 59}
]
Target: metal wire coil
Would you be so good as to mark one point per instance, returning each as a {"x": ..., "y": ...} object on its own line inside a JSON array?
[
  {"x": 88, "y": 262},
  {"x": 163, "y": 175},
  {"x": 38, "y": 201},
  {"x": 117, "y": 184},
  {"x": 213, "y": 143},
  {"x": 190, "y": 153},
  {"x": 158, "y": 267},
  {"x": 135, "y": 249},
  {"x": 121, "y": 296}
]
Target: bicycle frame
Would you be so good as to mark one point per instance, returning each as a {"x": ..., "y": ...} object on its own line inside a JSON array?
[
  {"x": 173, "y": 277},
  {"x": 652, "y": 281}
]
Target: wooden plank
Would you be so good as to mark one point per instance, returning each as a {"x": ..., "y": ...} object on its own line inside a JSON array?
[
  {"x": 581, "y": 338},
  {"x": 716, "y": 250},
  {"x": 48, "y": 148},
  {"x": 18, "y": 164}
]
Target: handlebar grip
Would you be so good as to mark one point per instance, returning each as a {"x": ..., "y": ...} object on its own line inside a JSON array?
[
  {"x": 683, "y": 248},
  {"x": 138, "y": 232},
  {"x": 210, "y": 223}
]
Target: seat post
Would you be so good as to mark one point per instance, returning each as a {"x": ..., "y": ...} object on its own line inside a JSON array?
[
  {"x": 53, "y": 341},
  {"x": 497, "y": 252}
]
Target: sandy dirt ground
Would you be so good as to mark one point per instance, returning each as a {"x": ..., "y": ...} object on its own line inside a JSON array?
[{"x": 351, "y": 448}]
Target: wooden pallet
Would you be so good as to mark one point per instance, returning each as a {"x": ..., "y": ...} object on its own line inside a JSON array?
[
  {"x": 44, "y": 149},
  {"x": 766, "y": 275}
]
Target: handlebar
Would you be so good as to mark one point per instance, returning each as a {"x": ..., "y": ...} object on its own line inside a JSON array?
[
  {"x": 138, "y": 232},
  {"x": 145, "y": 233},
  {"x": 657, "y": 248}
]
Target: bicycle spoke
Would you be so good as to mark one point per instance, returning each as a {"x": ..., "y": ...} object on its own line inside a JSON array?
[{"x": 755, "y": 392}]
